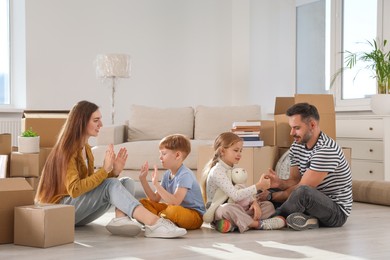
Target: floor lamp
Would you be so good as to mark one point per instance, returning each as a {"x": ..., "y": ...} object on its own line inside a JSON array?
[{"x": 112, "y": 67}]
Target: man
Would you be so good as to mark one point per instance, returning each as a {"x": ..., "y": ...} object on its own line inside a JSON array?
[{"x": 319, "y": 189}]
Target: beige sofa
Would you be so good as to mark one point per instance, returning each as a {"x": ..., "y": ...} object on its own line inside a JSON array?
[{"x": 146, "y": 126}]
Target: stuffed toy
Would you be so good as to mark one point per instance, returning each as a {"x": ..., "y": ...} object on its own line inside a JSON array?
[{"x": 238, "y": 177}]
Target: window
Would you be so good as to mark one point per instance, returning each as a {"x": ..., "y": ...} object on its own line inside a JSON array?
[
  {"x": 357, "y": 22},
  {"x": 4, "y": 53}
]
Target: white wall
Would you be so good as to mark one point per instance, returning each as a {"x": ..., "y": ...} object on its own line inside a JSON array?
[{"x": 184, "y": 52}]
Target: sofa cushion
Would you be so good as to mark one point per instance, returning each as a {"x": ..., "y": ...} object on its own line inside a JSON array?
[
  {"x": 152, "y": 123},
  {"x": 211, "y": 121}
]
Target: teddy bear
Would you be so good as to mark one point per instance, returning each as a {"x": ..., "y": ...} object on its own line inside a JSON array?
[{"x": 238, "y": 177}]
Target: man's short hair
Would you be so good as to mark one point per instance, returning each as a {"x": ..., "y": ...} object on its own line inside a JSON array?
[{"x": 306, "y": 111}]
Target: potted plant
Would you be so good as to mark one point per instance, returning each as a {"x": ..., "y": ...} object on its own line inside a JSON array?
[
  {"x": 378, "y": 61},
  {"x": 28, "y": 142}
]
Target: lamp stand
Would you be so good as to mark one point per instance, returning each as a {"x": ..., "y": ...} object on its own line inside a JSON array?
[{"x": 113, "y": 100}]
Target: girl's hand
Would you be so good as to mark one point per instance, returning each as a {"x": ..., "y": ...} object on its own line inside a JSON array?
[
  {"x": 264, "y": 183},
  {"x": 144, "y": 171},
  {"x": 120, "y": 161},
  {"x": 273, "y": 177},
  {"x": 109, "y": 158},
  {"x": 256, "y": 210}
]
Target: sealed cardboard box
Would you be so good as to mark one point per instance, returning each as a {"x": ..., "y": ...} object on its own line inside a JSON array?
[
  {"x": 44, "y": 225},
  {"x": 255, "y": 160},
  {"x": 25, "y": 164},
  {"x": 323, "y": 102},
  {"x": 47, "y": 124},
  {"x": 13, "y": 192}
]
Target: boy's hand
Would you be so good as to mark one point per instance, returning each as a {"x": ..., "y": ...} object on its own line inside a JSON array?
[
  {"x": 144, "y": 171},
  {"x": 155, "y": 177}
]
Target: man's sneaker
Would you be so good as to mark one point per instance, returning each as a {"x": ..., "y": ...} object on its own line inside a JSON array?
[
  {"x": 224, "y": 226},
  {"x": 300, "y": 221},
  {"x": 164, "y": 228},
  {"x": 124, "y": 226},
  {"x": 277, "y": 222}
]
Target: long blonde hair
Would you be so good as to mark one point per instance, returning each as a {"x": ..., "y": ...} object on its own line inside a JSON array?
[
  {"x": 70, "y": 140},
  {"x": 223, "y": 141}
]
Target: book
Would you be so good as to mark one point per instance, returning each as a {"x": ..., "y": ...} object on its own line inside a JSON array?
[
  {"x": 3, "y": 166},
  {"x": 250, "y": 138},
  {"x": 246, "y": 124},
  {"x": 258, "y": 143}
]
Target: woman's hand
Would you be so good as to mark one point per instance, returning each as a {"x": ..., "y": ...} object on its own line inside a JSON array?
[
  {"x": 109, "y": 159},
  {"x": 256, "y": 210},
  {"x": 144, "y": 172},
  {"x": 120, "y": 161}
]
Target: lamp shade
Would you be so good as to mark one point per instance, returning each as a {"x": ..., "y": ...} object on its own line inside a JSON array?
[{"x": 112, "y": 65}]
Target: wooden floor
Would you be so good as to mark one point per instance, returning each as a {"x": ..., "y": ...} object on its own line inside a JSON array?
[{"x": 366, "y": 235}]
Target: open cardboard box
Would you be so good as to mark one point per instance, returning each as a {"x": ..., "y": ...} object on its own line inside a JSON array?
[
  {"x": 323, "y": 102},
  {"x": 47, "y": 124}
]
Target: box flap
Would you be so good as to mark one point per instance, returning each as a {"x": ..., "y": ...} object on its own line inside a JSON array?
[
  {"x": 14, "y": 184},
  {"x": 323, "y": 102},
  {"x": 282, "y": 104},
  {"x": 45, "y": 115}
]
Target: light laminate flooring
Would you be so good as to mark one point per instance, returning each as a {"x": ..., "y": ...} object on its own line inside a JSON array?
[{"x": 366, "y": 235}]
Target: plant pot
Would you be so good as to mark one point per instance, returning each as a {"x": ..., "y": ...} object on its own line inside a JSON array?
[
  {"x": 380, "y": 104},
  {"x": 28, "y": 144}
]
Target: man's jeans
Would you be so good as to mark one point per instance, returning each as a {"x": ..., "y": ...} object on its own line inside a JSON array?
[{"x": 314, "y": 203}]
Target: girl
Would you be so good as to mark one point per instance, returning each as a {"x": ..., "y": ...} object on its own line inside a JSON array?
[
  {"x": 69, "y": 177},
  {"x": 228, "y": 147}
]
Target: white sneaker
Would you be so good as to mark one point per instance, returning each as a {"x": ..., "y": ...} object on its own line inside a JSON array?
[
  {"x": 164, "y": 228},
  {"x": 124, "y": 226}
]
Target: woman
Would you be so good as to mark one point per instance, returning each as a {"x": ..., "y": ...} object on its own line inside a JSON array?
[{"x": 69, "y": 177}]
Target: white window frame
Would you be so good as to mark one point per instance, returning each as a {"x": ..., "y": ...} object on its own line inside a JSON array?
[{"x": 336, "y": 59}]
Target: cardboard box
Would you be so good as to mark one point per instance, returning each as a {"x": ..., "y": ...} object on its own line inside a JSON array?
[
  {"x": 255, "y": 160},
  {"x": 47, "y": 124},
  {"x": 44, "y": 226},
  {"x": 25, "y": 165},
  {"x": 5, "y": 149},
  {"x": 323, "y": 102},
  {"x": 33, "y": 181},
  {"x": 13, "y": 192}
]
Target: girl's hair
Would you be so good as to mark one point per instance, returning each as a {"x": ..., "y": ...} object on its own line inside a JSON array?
[
  {"x": 223, "y": 141},
  {"x": 176, "y": 142},
  {"x": 71, "y": 138}
]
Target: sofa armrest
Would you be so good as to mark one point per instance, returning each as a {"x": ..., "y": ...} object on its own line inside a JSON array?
[{"x": 113, "y": 134}]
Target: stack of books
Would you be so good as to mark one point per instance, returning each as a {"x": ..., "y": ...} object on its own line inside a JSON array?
[{"x": 249, "y": 132}]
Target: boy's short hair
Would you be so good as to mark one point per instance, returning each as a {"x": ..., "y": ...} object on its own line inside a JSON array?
[{"x": 176, "y": 142}]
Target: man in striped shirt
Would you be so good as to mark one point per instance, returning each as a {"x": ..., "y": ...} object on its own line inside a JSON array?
[{"x": 319, "y": 189}]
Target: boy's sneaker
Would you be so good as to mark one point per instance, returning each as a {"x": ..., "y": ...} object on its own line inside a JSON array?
[
  {"x": 164, "y": 228},
  {"x": 224, "y": 226},
  {"x": 300, "y": 221},
  {"x": 124, "y": 226},
  {"x": 277, "y": 222}
]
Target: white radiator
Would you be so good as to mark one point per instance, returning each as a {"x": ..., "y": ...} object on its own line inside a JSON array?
[{"x": 11, "y": 126}]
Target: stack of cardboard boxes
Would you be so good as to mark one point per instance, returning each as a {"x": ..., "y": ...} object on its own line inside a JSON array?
[{"x": 22, "y": 222}]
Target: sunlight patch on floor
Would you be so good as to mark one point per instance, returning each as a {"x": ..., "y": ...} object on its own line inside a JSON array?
[{"x": 230, "y": 251}]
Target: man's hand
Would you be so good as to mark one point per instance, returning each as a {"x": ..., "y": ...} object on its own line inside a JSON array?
[
  {"x": 262, "y": 196},
  {"x": 273, "y": 177}
]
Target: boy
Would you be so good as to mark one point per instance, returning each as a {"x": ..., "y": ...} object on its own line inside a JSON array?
[{"x": 183, "y": 203}]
